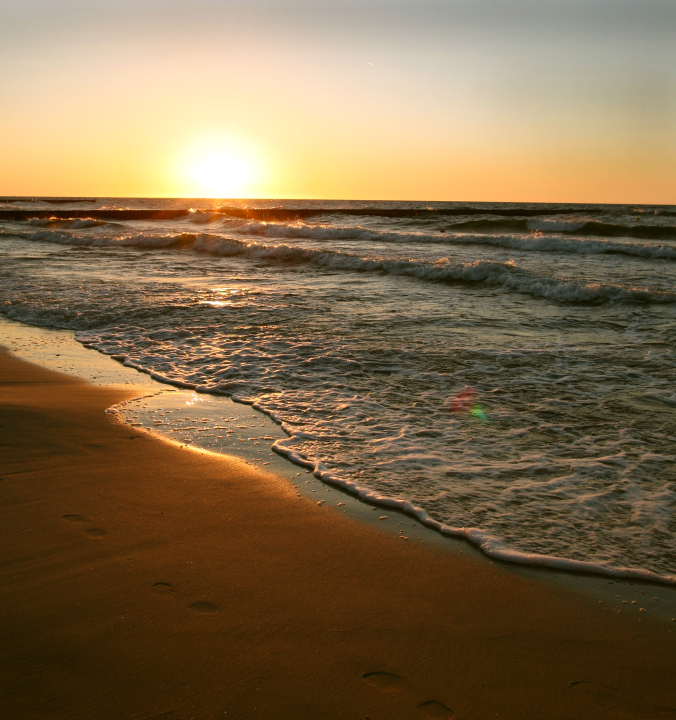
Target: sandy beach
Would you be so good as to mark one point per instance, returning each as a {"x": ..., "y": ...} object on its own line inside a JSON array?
[
  {"x": 338, "y": 360},
  {"x": 142, "y": 580}
]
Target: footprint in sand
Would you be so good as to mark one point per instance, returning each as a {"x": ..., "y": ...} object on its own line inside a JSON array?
[
  {"x": 389, "y": 682},
  {"x": 435, "y": 710},
  {"x": 95, "y": 532},
  {"x": 203, "y": 607},
  {"x": 626, "y": 706},
  {"x": 386, "y": 681},
  {"x": 75, "y": 518},
  {"x": 162, "y": 588}
]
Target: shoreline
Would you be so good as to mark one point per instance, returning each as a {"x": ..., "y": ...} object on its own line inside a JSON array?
[
  {"x": 110, "y": 371},
  {"x": 139, "y": 579}
]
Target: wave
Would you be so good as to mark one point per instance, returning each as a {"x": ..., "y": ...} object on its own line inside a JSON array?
[
  {"x": 95, "y": 214},
  {"x": 47, "y": 200},
  {"x": 640, "y": 232},
  {"x": 591, "y": 228},
  {"x": 204, "y": 217},
  {"x": 486, "y": 272},
  {"x": 146, "y": 240},
  {"x": 490, "y": 273},
  {"x": 273, "y": 214},
  {"x": 533, "y": 242},
  {"x": 290, "y": 214},
  {"x": 516, "y": 242},
  {"x": 491, "y": 222},
  {"x": 69, "y": 224}
]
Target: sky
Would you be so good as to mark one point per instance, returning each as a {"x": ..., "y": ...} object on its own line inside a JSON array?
[{"x": 467, "y": 100}]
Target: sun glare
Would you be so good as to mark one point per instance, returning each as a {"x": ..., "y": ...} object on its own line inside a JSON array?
[{"x": 221, "y": 174}]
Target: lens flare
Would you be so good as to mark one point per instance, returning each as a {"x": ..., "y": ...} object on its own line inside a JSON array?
[{"x": 465, "y": 402}]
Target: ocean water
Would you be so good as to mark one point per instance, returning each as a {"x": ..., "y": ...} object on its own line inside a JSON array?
[{"x": 503, "y": 372}]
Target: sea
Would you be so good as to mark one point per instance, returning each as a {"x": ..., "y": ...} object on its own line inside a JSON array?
[{"x": 503, "y": 372}]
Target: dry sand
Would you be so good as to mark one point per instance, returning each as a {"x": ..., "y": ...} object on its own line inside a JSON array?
[{"x": 141, "y": 580}]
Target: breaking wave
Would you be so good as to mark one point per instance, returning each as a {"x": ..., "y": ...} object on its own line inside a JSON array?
[
  {"x": 490, "y": 273},
  {"x": 327, "y": 233},
  {"x": 536, "y": 243}
]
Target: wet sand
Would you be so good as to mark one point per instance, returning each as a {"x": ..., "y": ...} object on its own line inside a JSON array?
[{"x": 141, "y": 580}]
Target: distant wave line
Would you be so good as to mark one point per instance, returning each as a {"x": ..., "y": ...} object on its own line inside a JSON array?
[{"x": 291, "y": 214}]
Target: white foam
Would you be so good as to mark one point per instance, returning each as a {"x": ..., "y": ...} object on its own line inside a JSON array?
[{"x": 487, "y": 543}]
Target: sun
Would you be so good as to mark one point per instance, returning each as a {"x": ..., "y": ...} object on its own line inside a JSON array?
[{"x": 221, "y": 174}]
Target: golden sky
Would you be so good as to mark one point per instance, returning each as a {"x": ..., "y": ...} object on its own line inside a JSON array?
[{"x": 554, "y": 100}]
